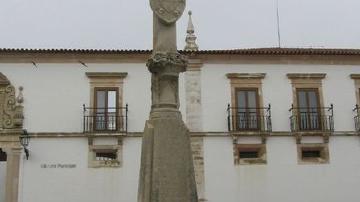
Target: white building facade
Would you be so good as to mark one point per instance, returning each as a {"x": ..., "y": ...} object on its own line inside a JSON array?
[{"x": 266, "y": 124}]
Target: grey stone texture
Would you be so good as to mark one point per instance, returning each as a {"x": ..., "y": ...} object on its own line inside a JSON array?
[{"x": 167, "y": 170}]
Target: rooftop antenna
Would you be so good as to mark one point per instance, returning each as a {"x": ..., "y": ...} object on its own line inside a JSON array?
[{"x": 278, "y": 23}]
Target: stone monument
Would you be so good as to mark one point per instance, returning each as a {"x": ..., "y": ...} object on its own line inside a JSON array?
[{"x": 167, "y": 171}]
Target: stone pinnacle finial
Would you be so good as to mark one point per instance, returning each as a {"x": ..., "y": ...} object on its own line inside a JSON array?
[
  {"x": 190, "y": 37},
  {"x": 20, "y": 97}
]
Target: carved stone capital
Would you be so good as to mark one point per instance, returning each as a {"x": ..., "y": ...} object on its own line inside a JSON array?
[{"x": 167, "y": 63}]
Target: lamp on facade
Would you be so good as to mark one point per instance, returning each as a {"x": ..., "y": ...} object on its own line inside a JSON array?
[{"x": 24, "y": 141}]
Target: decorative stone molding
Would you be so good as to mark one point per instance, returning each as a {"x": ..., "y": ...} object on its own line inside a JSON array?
[
  {"x": 356, "y": 78},
  {"x": 245, "y": 75},
  {"x": 11, "y": 111},
  {"x": 174, "y": 62},
  {"x": 321, "y": 148},
  {"x": 190, "y": 37},
  {"x": 3, "y": 79},
  {"x": 106, "y": 80},
  {"x": 247, "y": 81},
  {"x": 94, "y": 163},
  {"x": 260, "y": 149},
  {"x": 306, "y": 76},
  {"x": 308, "y": 81},
  {"x": 194, "y": 65},
  {"x": 107, "y": 75}
]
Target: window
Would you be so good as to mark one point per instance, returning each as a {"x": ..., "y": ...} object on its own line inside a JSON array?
[
  {"x": 246, "y": 113},
  {"x": 104, "y": 156},
  {"x": 308, "y": 109},
  {"x": 106, "y": 112},
  {"x": 246, "y": 154},
  {"x": 313, "y": 153},
  {"x": 105, "y": 109},
  {"x": 3, "y": 156},
  {"x": 308, "y": 115},
  {"x": 356, "y": 78},
  {"x": 247, "y": 117}
]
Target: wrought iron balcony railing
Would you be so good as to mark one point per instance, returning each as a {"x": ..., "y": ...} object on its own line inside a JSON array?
[
  {"x": 105, "y": 119},
  {"x": 249, "y": 119},
  {"x": 356, "y": 110},
  {"x": 312, "y": 119}
]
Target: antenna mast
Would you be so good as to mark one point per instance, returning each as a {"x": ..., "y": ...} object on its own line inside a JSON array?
[{"x": 278, "y": 23}]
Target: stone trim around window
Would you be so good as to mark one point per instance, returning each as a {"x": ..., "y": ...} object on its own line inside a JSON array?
[
  {"x": 356, "y": 78},
  {"x": 304, "y": 81},
  {"x": 307, "y": 81},
  {"x": 93, "y": 162},
  {"x": 106, "y": 80},
  {"x": 259, "y": 149},
  {"x": 321, "y": 149},
  {"x": 246, "y": 81}
]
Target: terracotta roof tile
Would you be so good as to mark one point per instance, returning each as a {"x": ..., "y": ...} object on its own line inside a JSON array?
[{"x": 254, "y": 51}]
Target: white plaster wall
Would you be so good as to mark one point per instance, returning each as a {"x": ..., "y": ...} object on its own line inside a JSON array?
[
  {"x": 2, "y": 180},
  {"x": 338, "y": 88},
  {"x": 80, "y": 183},
  {"x": 54, "y": 93},
  {"x": 282, "y": 179}
]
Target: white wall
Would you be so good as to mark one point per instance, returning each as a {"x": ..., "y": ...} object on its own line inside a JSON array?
[
  {"x": 338, "y": 88},
  {"x": 2, "y": 180},
  {"x": 282, "y": 179},
  {"x": 54, "y": 93},
  {"x": 80, "y": 183}
]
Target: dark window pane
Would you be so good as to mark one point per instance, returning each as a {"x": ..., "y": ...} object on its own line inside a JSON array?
[
  {"x": 106, "y": 156},
  {"x": 241, "y": 100},
  {"x": 313, "y": 101},
  {"x": 311, "y": 154},
  {"x": 100, "y": 100},
  {"x": 251, "y": 99},
  {"x": 248, "y": 154},
  {"x": 247, "y": 117},
  {"x": 308, "y": 109},
  {"x": 302, "y": 99}
]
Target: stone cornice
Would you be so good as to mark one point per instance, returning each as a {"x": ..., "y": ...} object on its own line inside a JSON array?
[
  {"x": 245, "y": 75},
  {"x": 355, "y": 76},
  {"x": 4, "y": 80},
  {"x": 192, "y": 134},
  {"x": 119, "y": 75},
  {"x": 306, "y": 75}
]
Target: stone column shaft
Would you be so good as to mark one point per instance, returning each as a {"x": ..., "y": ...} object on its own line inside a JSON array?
[{"x": 12, "y": 174}]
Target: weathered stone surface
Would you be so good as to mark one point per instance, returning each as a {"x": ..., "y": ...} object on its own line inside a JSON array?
[
  {"x": 193, "y": 100},
  {"x": 167, "y": 172},
  {"x": 197, "y": 146},
  {"x": 168, "y": 11},
  {"x": 11, "y": 112}
]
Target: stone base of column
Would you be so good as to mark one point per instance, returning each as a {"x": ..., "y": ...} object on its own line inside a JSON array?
[{"x": 167, "y": 170}]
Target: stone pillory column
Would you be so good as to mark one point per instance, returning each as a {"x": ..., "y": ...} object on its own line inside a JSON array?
[{"x": 167, "y": 171}]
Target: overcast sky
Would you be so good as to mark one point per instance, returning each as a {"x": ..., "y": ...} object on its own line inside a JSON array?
[{"x": 220, "y": 24}]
